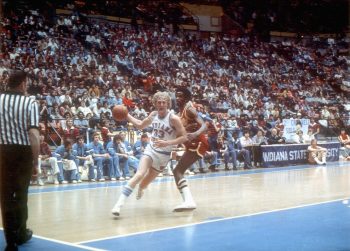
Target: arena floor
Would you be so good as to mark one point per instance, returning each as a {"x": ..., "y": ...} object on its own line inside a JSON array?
[{"x": 288, "y": 208}]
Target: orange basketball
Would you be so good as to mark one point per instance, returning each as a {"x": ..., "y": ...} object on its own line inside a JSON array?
[{"x": 120, "y": 112}]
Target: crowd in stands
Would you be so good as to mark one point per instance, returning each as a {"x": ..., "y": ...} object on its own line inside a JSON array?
[{"x": 78, "y": 70}]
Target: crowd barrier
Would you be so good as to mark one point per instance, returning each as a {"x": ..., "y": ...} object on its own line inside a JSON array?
[
  {"x": 53, "y": 137},
  {"x": 294, "y": 154}
]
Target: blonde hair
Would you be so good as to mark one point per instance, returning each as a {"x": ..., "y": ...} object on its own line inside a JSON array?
[{"x": 162, "y": 96}]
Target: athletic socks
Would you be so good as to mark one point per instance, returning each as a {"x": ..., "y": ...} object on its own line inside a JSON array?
[
  {"x": 127, "y": 190},
  {"x": 185, "y": 191},
  {"x": 188, "y": 203}
]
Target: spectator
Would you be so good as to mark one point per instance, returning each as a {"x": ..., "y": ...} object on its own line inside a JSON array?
[
  {"x": 344, "y": 140},
  {"x": 213, "y": 132},
  {"x": 234, "y": 151},
  {"x": 140, "y": 145},
  {"x": 99, "y": 155},
  {"x": 315, "y": 127},
  {"x": 67, "y": 161},
  {"x": 113, "y": 150},
  {"x": 306, "y": 138},
  {"x": 105, "y": 132},
  {"x": 275, "y": 138},
  {"x": 83, "y": 108},
  {"x": 46, "y": 159},
  {"x": 83, "y": 159},
  {"x": 258, "y": 140},
  {"x": 71, "y": 132}
]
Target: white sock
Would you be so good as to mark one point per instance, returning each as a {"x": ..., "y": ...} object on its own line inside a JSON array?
[
  {"x": 127, "y": 190},
  {"x": 187, "y": 195}
]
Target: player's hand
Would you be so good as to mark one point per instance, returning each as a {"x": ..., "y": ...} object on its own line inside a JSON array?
[
  {"x": 192, "y": 127},
  {"x": 191, "y": 136},
  {"x": 160, "y": 143}
]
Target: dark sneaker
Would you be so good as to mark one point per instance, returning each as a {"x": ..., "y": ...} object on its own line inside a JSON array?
[
  {"x": 26, "y": 237},
  {"x": 11, "y": 247}
]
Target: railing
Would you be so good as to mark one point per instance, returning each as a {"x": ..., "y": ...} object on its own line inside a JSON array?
[{"x": 54, "y": 138}]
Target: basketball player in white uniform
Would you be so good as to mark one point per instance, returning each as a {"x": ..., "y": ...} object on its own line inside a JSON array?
[{"x": 167, "y": 131}]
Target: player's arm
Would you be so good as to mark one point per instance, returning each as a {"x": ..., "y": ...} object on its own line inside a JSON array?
[
  {"x": 141, "y": 124},
  {"x": 175, "y": 121},
  {"x": 193, "y": 115}
]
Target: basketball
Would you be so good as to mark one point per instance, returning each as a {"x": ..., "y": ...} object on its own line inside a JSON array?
[{"x": 120, "y": 112}]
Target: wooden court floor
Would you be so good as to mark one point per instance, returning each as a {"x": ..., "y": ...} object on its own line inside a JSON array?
[{"x": 80, "y": 213}]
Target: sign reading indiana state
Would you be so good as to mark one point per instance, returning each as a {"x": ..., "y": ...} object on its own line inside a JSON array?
[{"x": 294, "y": 154}]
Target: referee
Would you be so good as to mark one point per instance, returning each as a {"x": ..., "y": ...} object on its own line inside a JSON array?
[{"x": 19, "y": 149}]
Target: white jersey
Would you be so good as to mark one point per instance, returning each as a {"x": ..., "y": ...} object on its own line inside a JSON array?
[{"x": 162, "y": 130}]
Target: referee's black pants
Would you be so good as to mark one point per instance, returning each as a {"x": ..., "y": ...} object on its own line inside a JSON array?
[{"x": 16, "y": 163}]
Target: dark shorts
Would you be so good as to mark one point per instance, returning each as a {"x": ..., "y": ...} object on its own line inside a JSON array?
[{"x": 199, "y": 145}]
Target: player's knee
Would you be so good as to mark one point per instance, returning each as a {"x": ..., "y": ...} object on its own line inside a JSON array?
[
  {"x": 177, "y": 173},
  {"x": 137, "y": 177}
]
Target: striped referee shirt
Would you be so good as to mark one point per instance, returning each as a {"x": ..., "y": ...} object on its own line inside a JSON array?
[{"x": 18, "y": 114}]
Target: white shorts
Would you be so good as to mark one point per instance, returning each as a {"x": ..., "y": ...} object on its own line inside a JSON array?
[
  {"x": 69, "y": 165},
  {"x": 160, "y": 159}
]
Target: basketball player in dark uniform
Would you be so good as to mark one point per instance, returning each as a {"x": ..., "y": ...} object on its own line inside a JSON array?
[{"x": 196, "y": 146}]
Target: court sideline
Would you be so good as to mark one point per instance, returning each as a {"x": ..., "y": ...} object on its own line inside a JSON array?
[{"x": 297, "y": 208}]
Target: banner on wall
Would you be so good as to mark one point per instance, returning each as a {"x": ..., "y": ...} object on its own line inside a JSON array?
[
  {"x": 294, "y": 154},
  {"x": 292, "y": 125}
]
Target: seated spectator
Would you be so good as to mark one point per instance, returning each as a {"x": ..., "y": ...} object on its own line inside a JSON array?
[
  {"x": 317, "y": 154},
  {"x": 45, "y": 161},
  {"x": 94, "y": 90},
  {"x": 54, "y": 112},
  {"x": 231, "y": 126},
  {"x": 234, "y": 151},
  {"x": 83, "y": 159},
  {"x": 344, "y": 140},
  {"x": 139, "y": 112},
  {"x": 315, "y": 127},
  {"x": 67, "y": 158},
  {"x": 71, "y": 132},
  {"x": 275, "y": 138},
  {"x": 213, "y": 132},
  {"x": 284, "y": 140},
  {"x": 128, "y": 102},
  {"x": 81, "y": 123},
  {"x": 246, "y": 140},
  {"x": 308, "y": 136},
  {"x": 297, "y": 138},
  {"x": 247, "y": 143},
  {"x": 258, "y": 140},
  {"x": 112, "y": 148},
  {"x": 83, "y": 108},
  {"x": 133, "y": 162},
  {"x": 210, "y": 157},
  {"x": 121, "y": 150},
  {"x": 140, "y": 145},
  {"x": 99, "y": 155},
  {"x": 104, "y": 108}
]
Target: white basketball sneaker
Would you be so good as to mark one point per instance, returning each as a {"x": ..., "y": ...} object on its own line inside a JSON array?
[
  {"x": 116, "y": 210},
  {"x": 185, "y": 206}
]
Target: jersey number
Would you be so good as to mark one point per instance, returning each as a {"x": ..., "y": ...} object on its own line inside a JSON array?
[{"x": 158, "y": 133}]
